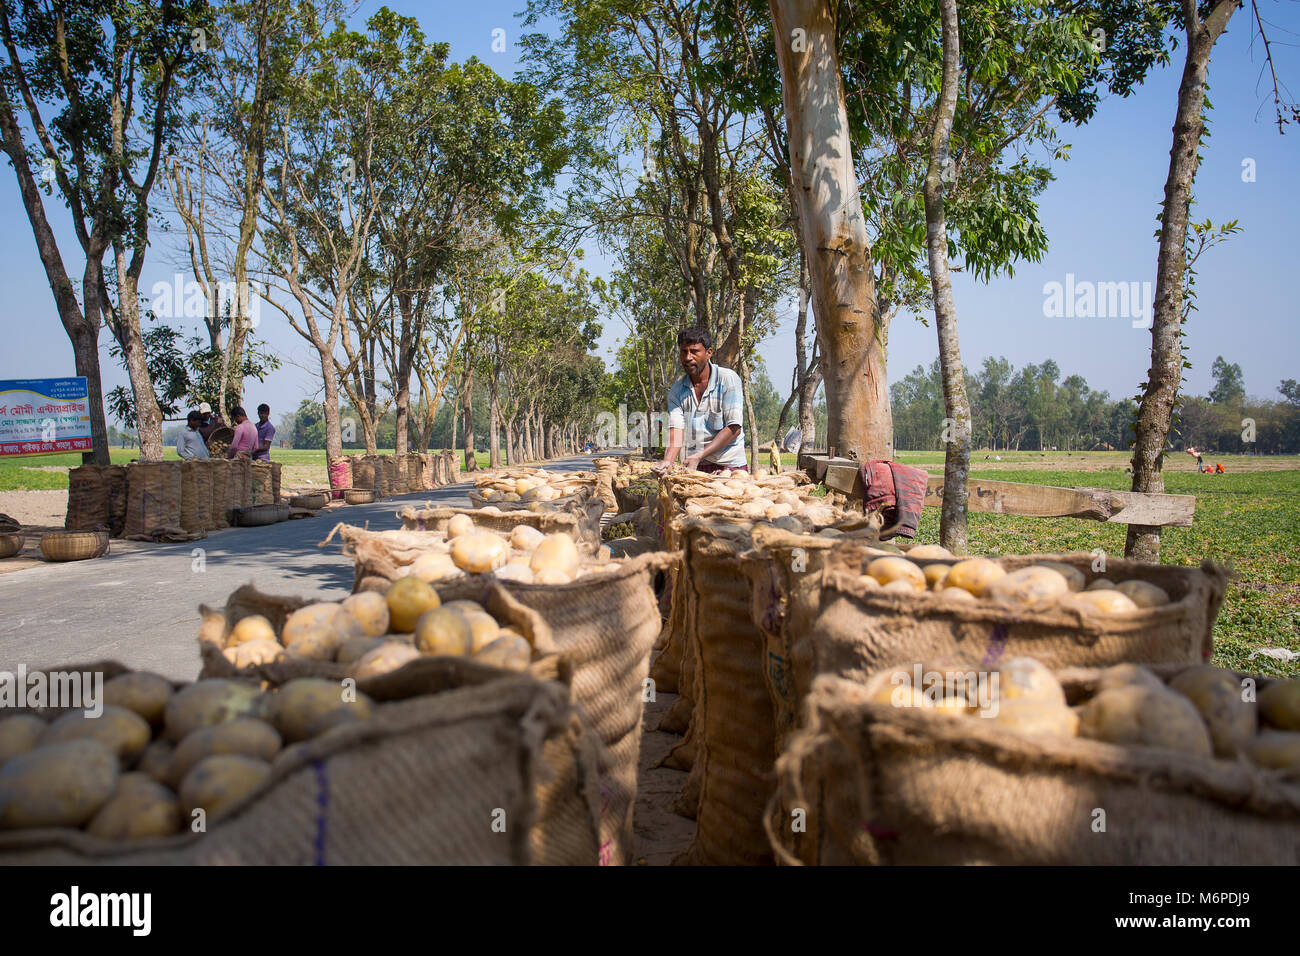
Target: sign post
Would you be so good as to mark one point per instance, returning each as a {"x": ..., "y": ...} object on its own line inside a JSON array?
[{"x": 44, "y": 416}]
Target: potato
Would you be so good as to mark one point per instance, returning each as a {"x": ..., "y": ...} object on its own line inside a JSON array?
[
  {"x": 434, "y": 566},
  {"x": 553, "y": 576},
  {"x": 1103, "y": 601},
  {"x": 459, "y": 525},
  {"x": 19, "y": 734},
  {"x": 387, "y": 657},
  {"x": 247, "y": 736},
  {"x": 367, "y": 614},
  {"x": 466, "y": 606},
  {"x": 407, "y": 599},
  {"x": 122, "y": 731},
  {"x": 895, "y": 688},
  {"x": 156, "y": 761},
  {"x": 889, "y": 569},
  {"x": 1140, "y": 715},
  {"x": 140, "y": 693},
  {"x": 525, "y": 538},
  {"x": 255, "y": 627},
  {"x": 321, "y": 643},
  {"x": 208, "y": 702},
  {"x": 1027, "y": 680},
  {"x": 955, "y": 706},
  {"x": 1279, "y": 704},
  {"x": 956, "y": 594},
  {"x": 1028, "y": 587},
  {"x": 515, "y": 572},
  {"x": 929, "y": 551},
  {"x": 510, "y": 652},
  {"x": 934, "y": 575},
  {"x": 1037, "y": 718},
  {"x": 60, "y": 785},
  {"x": 1276, "y": 749},
  {"x": 444, "y": 632},
  {"x": 212, "y": 629},
  {"x": 974, "y": 575},
  {"x": 253, "y": 653},
  {"x": 307, "y": 706},
  {"x": 1143, "y": 593},
  {"x": 1075, "y": 578},
  {"x": 1101, "y": 584},
  {"x": 484, "y": 628},
  {"x": 1126, "y": 675},
  {"x": 217, "y": 784},
  {"x": 523, "y": 486},
  {"x": 557, "y": 552},
  {"x": 902, "y": 587},
  {"x": 1216, "y": 693},
  {"x": 354, "y": 648},
  {"x": 480, "y": 552},
  {"x": 308, "y": 621},
  {"x": 139, "y": 808}
]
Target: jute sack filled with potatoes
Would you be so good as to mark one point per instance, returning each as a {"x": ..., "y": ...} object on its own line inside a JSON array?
[
  {"x": 409, "y": 768},
  {"x": 436, "y": 519},
  {"x": 938, "y": 765}
]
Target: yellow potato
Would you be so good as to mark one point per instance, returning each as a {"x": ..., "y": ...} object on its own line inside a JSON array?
[
  {"x": 515, "y": 572},
  {"x": 480, "y": 552},
  {"x": 929, "y": 551},
  {"x": 253, "y": 653},
  {"x": 1279, "y": 704},
  {"x": 551, "y": 576},
  {"x": 407, "y": 599},
  {"x": 522, "y": 486},
  {"x": 509, "y": 652},
  {"x": 1143, "y": 593},
  {"x": 355, "y": 648},
  {"x": 321, "y": 643},
  {"x": 869, "y": 583},
  {"x": 458, "y": 525},
  {"x": 19, "y": 734},
  {"x": 466, "y": 606},
  {"x": 1075, "y": 578},
  {"x": 444, "y": 632},
  {"x": 902, "y": 586},
  {"x": 1028, "y": 587},
  {"x": 956, "y": 594},
  {"x": 207, "y": 702},
  {"x": 307, "y": 706},
  {"x": 525, "y": 538},
  {"x": 955, "y": 706},
  {"x": 1126, "y": 675},
  {"x": 247, "y": 736},
  {"x": 1101, "y": 584},
  {"x": 217, "y": 784},
  {"x": 1039, "y": 719},
  {"x": 60, "y": 785},
  {"x": 934, "y": 575},
  {"x": 367, "y": 614},
  {"x": 1142, "y": 716},
  {"x": 557, "y": 552},
  {"x": 139, "y": 808},
  {"x": 1216, "y": 693},
  {"x": 1276, "y": 749},
  {"x": 484, "y": 628},
  {"x": 308, "y": 620},
  {"x": 387, "y": 657},
  {"x": 889, "y": 569},
  {"x": 1028, "y": 680},
  {"x": 156, "y": 761},
  {"x": 895, "y": 688},
  {"x": 122, "y": 731},
  {"x": 974, "y": 575},
  {"x": 141, "y": 693},
  {"x": 1103, "y": 601},
  {"x": 434, "y": 566},
  {"x": 255, "y": 627}
]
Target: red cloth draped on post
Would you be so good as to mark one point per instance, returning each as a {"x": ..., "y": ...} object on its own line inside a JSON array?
[{"x": 897, "y": 491}]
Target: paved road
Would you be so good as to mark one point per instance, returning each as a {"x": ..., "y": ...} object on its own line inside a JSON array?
[{"x": 142, "y": 608}]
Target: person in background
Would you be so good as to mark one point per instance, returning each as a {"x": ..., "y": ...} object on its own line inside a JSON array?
[
  {"x": 704, "y": 410},
  {"x": 210, "y": 421},
  {"x": 245, "y": 441},
  {"x": 265, "y": 432},
  {"x": 190, "y": 444}
]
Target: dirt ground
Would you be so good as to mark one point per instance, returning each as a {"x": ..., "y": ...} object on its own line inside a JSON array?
[{"x": 660, "y": 835}]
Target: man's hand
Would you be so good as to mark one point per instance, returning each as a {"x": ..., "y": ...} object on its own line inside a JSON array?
[
  {"x": 661, "y": 468},
  {"x": 693, "y": 463}
]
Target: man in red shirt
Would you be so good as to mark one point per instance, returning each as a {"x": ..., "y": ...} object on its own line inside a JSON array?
[{"x": 245, "y": 441}]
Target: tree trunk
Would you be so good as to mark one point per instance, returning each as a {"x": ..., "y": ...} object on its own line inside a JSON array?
[
  {"x": 957, "y": 434},
  {"x": 494, "y": 423},
  {"x": 333, "y": 428},
  {"x": 148, "y": 417},
  {"x": 850, "y": 327},
  {"x": 467, "y": 396},
  {"x": 1161, "y": 391}
]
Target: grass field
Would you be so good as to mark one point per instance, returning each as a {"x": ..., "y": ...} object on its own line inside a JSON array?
[{"x": 1248, "y": 519}]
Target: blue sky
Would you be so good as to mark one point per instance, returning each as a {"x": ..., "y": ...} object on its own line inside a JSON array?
[{"x": 1099, "y": 215}]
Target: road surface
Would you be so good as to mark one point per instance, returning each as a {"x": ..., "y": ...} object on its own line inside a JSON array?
[{"x": 141, "y": 609}]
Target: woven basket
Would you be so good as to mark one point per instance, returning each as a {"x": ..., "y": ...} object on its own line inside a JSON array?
[
  {"x": 74, "y": 545},
  {"x": 313, "y": 501},
  {"x": 358, "y": 496},
  {"x": 257, "y": 515},
  {"x": 11, "y": 542}
]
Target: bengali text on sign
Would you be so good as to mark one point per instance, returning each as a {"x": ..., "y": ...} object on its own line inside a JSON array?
[{"x": 43, "y": 416}]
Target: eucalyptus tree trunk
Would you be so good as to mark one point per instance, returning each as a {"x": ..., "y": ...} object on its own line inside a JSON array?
[
  {"x": 494, "y": 422},
  {"x": 467, "y": 396},
  {"x": 850, "y": 327},
  {"x": 1161, "y": 391},
  {"x": 957, "y": 432}
]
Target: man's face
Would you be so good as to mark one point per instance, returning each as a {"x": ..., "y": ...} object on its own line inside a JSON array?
[
  {"x": 694, "y": 357},
  {"x": 263, "y": 416}
]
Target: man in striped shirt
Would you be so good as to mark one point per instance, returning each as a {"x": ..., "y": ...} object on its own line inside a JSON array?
[{"x": 705, "y": 409}]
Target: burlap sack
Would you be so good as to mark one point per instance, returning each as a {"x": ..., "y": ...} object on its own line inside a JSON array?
[
  {"x": 898, "y": 785},
  {"x": 196, "y": 496},
  {"x": 606, "y": 472},
  {"x": 117, "y": 498},
  {"x": 90, "y": 497},
  {"x": 363, "y": 474},
  {"x": 435, "y": 519},
  {"x": 153, "y": 496},
  {"x": 394, "y": 482},
  {"x": 414, "y": 465},
  {"x": 584, "y": 507},
  {"x": 428, "y": 472},
  {"x": 452, "y": 748},
  {"x": 276, "y": 468},
  {"x": 218, "y": 474},
  {"x": 259, "y": 474},
  {"x": 452, "y": 466}
]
